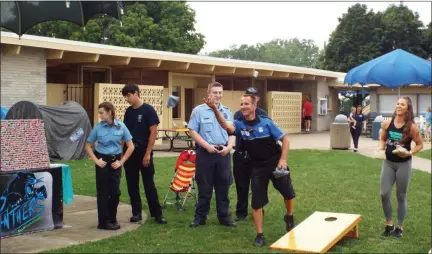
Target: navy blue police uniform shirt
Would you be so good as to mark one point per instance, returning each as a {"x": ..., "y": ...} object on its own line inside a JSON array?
[
  {"x": 259, "y": 137},
  {"x": 239, "y": 116},
  {"x": 138, "y": 121},
  {"x": 359, "y": 118}
]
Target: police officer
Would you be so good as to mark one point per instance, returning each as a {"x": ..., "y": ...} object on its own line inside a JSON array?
[
  {"x": 142, "y": 121},
  {"x": 242, "y": 168},
  {"x": 213, "y": 167},
  {"x": 108, "y": 133},
  {"x": 260, "y": 136}
]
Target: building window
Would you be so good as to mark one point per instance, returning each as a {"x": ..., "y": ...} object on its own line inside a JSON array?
[
  {"x": 424, "y": 101},
  {"x": 322, "y": 106},
  {"x": 177, "y": 109},
  {"x": 387, "y": 103}
]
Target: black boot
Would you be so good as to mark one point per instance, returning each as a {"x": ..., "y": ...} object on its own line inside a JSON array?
[
  {"x": 109, "y": 226},
  {"x": 136, "y": 218},
  {"x": 161, "y": 220}
]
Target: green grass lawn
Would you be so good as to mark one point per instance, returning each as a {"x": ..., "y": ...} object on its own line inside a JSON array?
[
  {"x": 329, "y": 181},
  {"x": 427, "y": 154}
]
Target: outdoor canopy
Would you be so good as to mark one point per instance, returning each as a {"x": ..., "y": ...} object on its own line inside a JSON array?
[
  {"x": 20, "y": 16},
  {"x": 67, "y": 127},
  {"x": 393, "y": 70}
]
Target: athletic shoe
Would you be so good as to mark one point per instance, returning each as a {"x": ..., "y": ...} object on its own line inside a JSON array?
[
  {"x": 389, "y": 229},
  {"x": 259, "y": 240},
  {"x": 398, "y": 232},
  {"x": 289, "y": 222}
]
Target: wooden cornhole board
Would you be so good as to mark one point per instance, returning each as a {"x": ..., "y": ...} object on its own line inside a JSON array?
[{"x": 319, "y": 232}]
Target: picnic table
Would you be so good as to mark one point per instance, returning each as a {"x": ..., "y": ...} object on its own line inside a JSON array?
[{"x": 175, "y": 134}]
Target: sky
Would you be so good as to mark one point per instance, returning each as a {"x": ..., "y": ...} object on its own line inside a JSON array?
[{"x": 228, "y": 23}]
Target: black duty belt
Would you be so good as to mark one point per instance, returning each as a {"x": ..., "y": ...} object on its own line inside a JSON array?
[{"x": 108, "y": 157}]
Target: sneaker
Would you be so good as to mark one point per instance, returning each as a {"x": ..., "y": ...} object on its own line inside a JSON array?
[
  {"x": 259, "y": 240},
  {"x": 289, "y": 222},
  {"x": 389, "y": 229},
  {"x": 136, "y": 218},
  {"x": 398, "y": 232}
]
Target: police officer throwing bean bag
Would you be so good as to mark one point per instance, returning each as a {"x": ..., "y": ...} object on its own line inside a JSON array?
[
  {"x": 260, "y": 135},
  {"x": 241, "y": 166},
  {"x": 109, "y": 134},
  {"x": 213, "y": 162}
]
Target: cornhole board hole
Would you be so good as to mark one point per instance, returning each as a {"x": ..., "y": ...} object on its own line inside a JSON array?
[{"x": 319, "y": 232}]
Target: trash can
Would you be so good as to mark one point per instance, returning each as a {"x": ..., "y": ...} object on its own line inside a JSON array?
[
  {"x": 340, "y": 136},
  {"x": 376, "y": 126}
]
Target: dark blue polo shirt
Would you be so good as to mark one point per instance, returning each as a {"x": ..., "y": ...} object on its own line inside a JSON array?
[
  {"x": 259, "y": 137},
  {"x": 138, "y": 121},
  {"x": 239, "y": 116}
]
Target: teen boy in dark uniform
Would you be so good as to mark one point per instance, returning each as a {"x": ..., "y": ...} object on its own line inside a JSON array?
[
  {"x": 242, "y": 168},
  {"x": 141, "y": 119}
]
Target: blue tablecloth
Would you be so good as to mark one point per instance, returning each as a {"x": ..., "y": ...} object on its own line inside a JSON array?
[{"x": 67, "y": 183}]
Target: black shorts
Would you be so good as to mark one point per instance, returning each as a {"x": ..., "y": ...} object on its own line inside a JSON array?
[
  {"x": 308, "y": 118},
  {"x": 262, "y": 173}
]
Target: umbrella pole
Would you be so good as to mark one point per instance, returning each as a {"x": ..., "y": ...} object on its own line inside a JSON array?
[{"x": 398, "y": 92}]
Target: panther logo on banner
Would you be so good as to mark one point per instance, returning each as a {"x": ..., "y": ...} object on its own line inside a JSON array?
[{"x": 26, "y": 202}]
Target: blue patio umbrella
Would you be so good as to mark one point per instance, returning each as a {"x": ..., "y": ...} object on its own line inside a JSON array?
[
  {"x": 393, "y": 70},
  {"x": 354, "y": 92}
]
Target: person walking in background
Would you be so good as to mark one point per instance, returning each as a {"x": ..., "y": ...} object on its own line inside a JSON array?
[
  {"x": 428, "y": 123},
  {"x": 142, "y": 121},
  {"x": 357, "y": 130},
  {"x": 307, "y": 114},
  {"x": 109, "y": 134},
  {"x": 241, "y": 164},
  {"x": 213, "y": 160},
  {"x": 397, "y": 134}
]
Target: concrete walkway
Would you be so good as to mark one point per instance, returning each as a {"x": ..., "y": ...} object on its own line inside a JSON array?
[
  {"x": 367, "y": 147},
  {"x": 321, "y": 141},
  {"x": 81, "y": 226}
]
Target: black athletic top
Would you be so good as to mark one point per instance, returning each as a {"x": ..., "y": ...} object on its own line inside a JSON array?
[
  {"x": 138, "y": 121},
  {"x": 394, "y": 137},
  {"x": 239, "y": 116}
]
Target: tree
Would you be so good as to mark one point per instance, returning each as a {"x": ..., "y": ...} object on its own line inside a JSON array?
[
  {"x": 403, "y": 30},
  {"x": 356, "y": 39},
  {"x": 427, "y": 40},
  {"x": 363, "y": 35},
  {"x": 294, "y": 52},
  {"x": 167, "y": 26}
]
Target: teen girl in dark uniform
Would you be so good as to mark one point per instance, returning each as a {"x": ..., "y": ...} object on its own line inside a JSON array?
[
  {"x": 109, "y": 134},
  {"x": 260, "y": 136}
]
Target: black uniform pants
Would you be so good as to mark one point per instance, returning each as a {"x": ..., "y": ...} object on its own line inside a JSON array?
[
  {"x": 133, "y": 167},
  {"x": 262, "y": 173},
  {"x": 213, "y": 171},
  {"x": 355, "y": 134},
  {"x": 107, "y": 189},
  {"x": 242, "y": 176}
]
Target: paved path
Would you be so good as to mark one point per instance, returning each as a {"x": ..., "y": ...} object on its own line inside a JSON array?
[
  {"x": 81, "y": 226},
  {"x": 321, "y": 141},
  {"x": 367, "y": 146}
]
